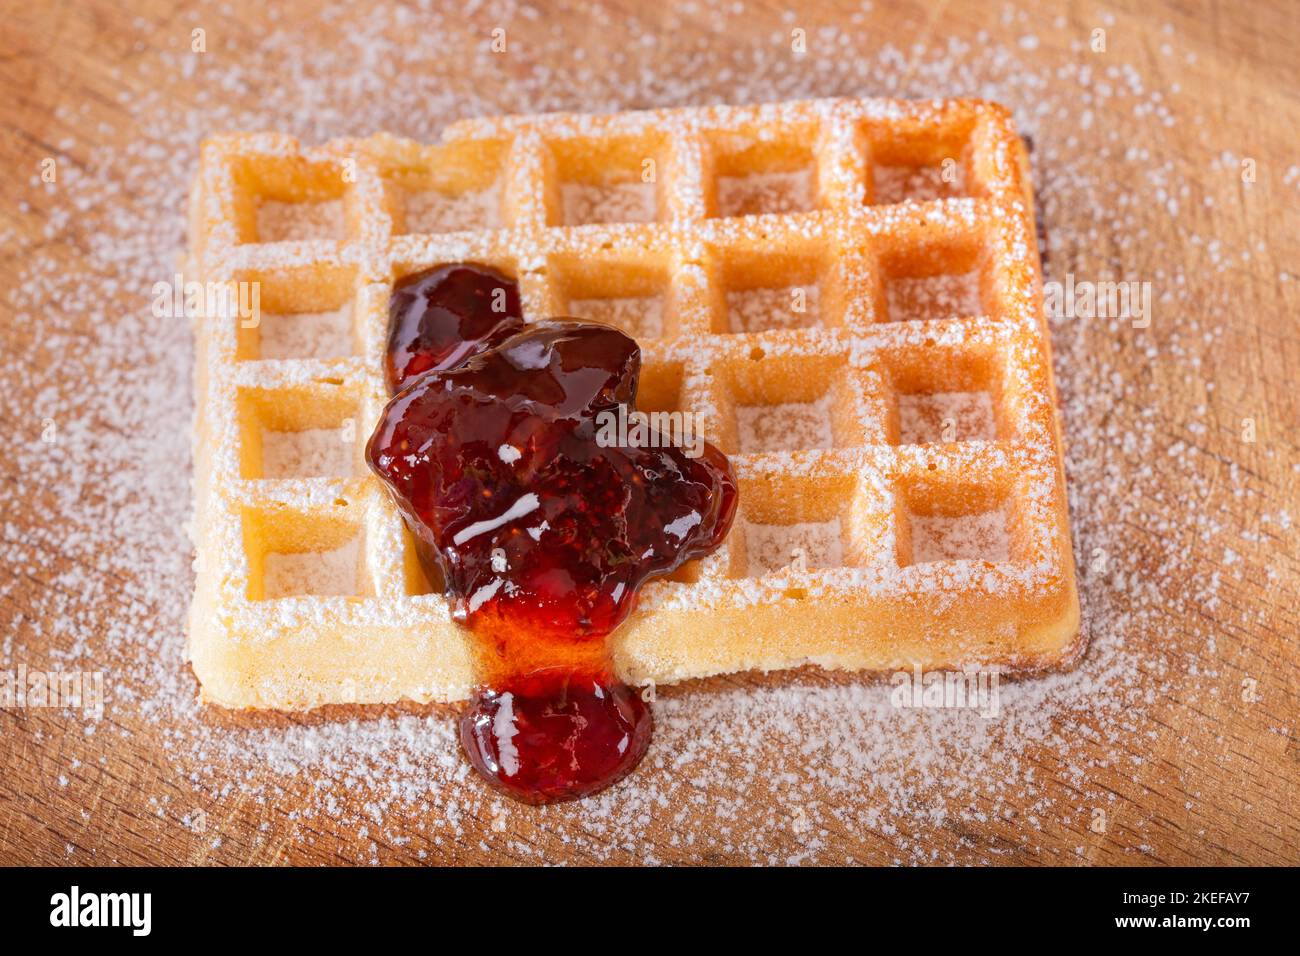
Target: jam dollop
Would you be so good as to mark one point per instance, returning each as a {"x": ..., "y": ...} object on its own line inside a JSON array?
[
  {"x": 439, "y": 317},
  {"x": 543, "y": 536},
  {"x": 555, "y": 734}
]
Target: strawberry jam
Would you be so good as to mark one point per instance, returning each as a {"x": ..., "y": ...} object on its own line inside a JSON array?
[
  {"x": 543, "y": 536},
  {"x": 439, "y": 317},
  {"x": 555, "y": 734}
]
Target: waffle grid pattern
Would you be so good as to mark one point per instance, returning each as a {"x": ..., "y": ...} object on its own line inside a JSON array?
[{"x": 809, "y": 397}]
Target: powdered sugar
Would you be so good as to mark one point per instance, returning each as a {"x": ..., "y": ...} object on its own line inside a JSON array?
[
  {"x": 641, "y": 317},
  {"x": 812, "y": 544},
  {"x": 617, "y": 202},
  {"x": 919, "y": 183},
  {"x": 780, "y": 192},
  {"x": 305, "y": 335},
  {"x": 932, "y": 297},
  {"x": 981, "y": 536},
  {"x": 758, "y": 310},
  {"x": 336, "y": 571},
  {"x": 312, "y": 452},
  {"x": 282, "y": 221},
  {"x": 795, "y": 426},
  {"x": 946, "y": 416},
  {"x": 435, "y": 211}
]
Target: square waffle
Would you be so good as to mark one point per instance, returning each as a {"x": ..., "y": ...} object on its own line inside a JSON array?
[{"x": 845, "y": 293}]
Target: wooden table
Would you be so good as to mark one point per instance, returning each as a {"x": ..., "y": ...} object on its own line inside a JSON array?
[{"x": 1189, "y": 513}]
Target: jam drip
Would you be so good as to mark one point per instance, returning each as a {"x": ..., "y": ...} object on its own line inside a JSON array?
[{"x": 542, "y": 535}]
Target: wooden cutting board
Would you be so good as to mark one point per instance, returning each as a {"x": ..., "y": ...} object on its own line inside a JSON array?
[{"x": 1183, "y": 455}]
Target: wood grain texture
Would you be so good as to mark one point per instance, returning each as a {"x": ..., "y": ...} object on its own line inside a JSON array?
[{"x": 1218, "y": 779}]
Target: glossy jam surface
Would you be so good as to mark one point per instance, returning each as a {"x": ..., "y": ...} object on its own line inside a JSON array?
[
  {"x": 439, "y": 317},
  {"x": 556, "y": 735},
  {"x": 541, "y": 534},
  {"x": 543, "y": 537}
]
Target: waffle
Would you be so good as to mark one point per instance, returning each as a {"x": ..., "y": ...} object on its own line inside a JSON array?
[{"x": 846, "y": 293}]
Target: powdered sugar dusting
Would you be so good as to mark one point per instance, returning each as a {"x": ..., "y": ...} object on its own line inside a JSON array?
[
  {"x": 946, "y": 416},
  {"x": 313, "y": 452},
  {"x": 332, "y": 572},
  {"x": 641, "y": 317},
  {"x": 435, "y": 211},
  {"x": 795, "y": 426},
  {"x": 770, "y": 547},
  {"x": 918, "y": 183},
  {"x": 981, "y": 536},
  {"x": 933, "y": 297},
  {"x": 283, "y": 221},
  {"x": 758, "y": 310},
  {"x": 779, "y": 192},
  {"x": 617, "y": 202},
  {"x": 305, "y": 335}
]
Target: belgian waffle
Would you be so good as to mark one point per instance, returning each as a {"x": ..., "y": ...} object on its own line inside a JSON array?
[{"x": 845, "y": 293}]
